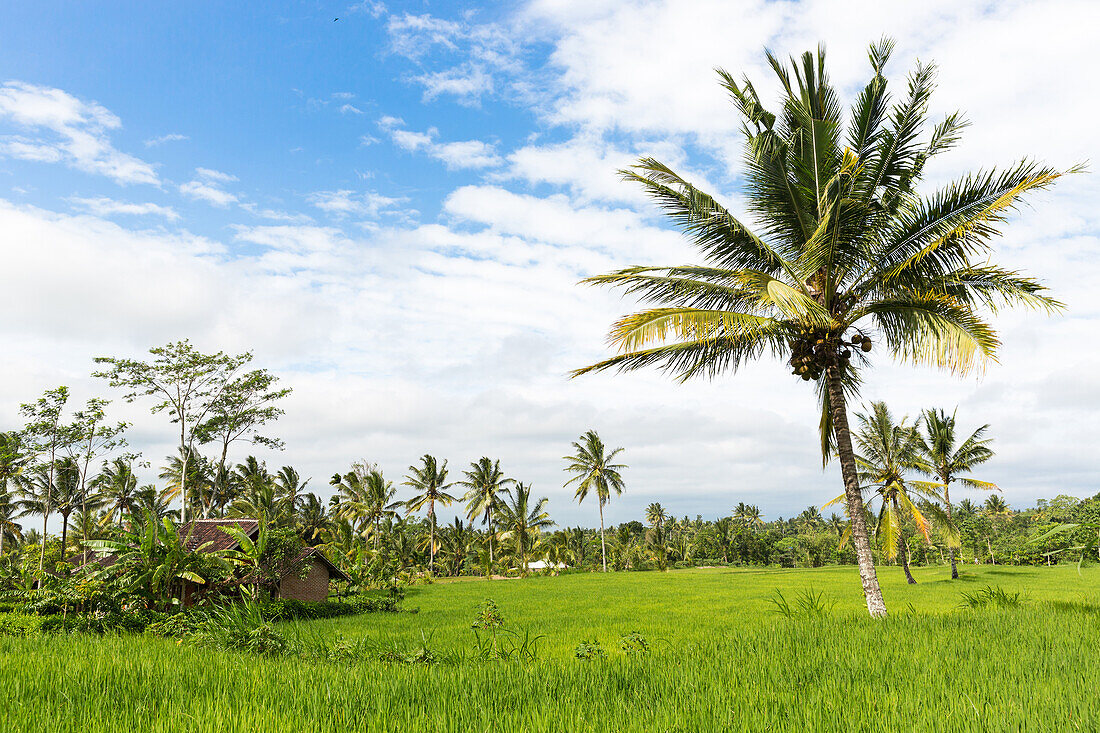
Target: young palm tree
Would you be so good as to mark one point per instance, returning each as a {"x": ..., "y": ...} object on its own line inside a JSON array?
[
  {"x": 595, "y": 471},
  {"x": 430, "y": 481},
  {"x": 940, "y": 457},
  {"x": 484, "y": 484},
  {"x": 843, "y": 254},
  {"x": 522, "y": 523}
]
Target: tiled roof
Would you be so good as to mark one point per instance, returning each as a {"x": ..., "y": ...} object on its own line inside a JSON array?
[
  {"x": 104, "y": 560},
  {"x": 201, "y": 531}
]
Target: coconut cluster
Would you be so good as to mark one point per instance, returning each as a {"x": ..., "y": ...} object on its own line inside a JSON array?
[{"x": 812, "y": 351}]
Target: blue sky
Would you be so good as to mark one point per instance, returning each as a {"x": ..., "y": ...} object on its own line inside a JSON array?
[{"x": 393, "y": 211}]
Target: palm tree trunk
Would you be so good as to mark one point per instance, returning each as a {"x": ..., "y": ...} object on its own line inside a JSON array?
[
  {"x": 871, "y": 591},
  {"x": 431, "y": 540},
  {"x": 903, "y": 549},
  {"x": 947, "y": 503},
  {"x": 603, "y": 545}
]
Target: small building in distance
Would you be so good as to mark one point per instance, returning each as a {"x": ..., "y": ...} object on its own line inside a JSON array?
[{"x": 297, "y": 582}]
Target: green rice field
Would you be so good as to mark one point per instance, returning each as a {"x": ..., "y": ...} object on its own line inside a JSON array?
[{"x": 720, "y": 658}]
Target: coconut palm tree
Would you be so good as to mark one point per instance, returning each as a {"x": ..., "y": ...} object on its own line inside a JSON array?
[
  {"x": 887, "y": 451},
  {"x": 117, "y": 484},
  {"x": 520, "y": 521},
  {"x": 595, "y": 471},
  {"x": 656, "y": 515},
  {"x": 290, "y": 486},
  {"x": 10, "y": 510},
  {"x": 840, "y": 253},
  {"x": 484, "y": 483},
  {"x": 429, "y": 479},
  {"x": 939, "y": 456}
]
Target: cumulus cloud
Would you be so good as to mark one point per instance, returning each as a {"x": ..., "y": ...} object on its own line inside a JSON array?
[{"x": 58, "y": 127}]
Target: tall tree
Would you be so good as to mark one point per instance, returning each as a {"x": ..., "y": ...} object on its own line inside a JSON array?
[
  {"x": 595, "y": 470},
  {"x": 484, "y": 483},
  {"x": 521, "y": 521},
  {"x": 656, "y": 515},
  {"x": 47, "y": 435},
  {"x": 939, "y": 456},
  {"x": 842, "y": 253},
  {"x": 429, "y": 481},
  {"x": 93, "y": 437},
  {"x": 239, "y": 411},
  {"x": 184, "y": 382}
]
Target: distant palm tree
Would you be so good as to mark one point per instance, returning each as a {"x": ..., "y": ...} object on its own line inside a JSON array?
[
  {"x": 939, "y": 456},
  {"x": 840, "y": 249},
  {"x": 522, "y": 523},
  {"x": 596, "y": 472},
  {"x": 429, "y": 479},
  {"x": 996, "y": 506},
  {"x": 887, "y": 450},
  {"x": 117, "y": 484},
  {"x": 10, "y": 510},
  {"x": 312, "y": 518},
  {"x": 68, "y": 496},
  {"x": 290, "y": 485},
  {"x": 656, "y": 515},
  {"x": 484, "y": 483}
]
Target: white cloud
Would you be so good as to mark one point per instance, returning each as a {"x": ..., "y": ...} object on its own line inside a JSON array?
[
  {"x": 208, "y": 192},
  {"x": 351, "y": 203},
  {"x": 69, "y": 131},
  {"x": 209, "y": 174},
  {"x": 102, "y": 206},
  {"x": 464, "y": 154},
  {"x": 170, "y": 137},
  {"x": 350, "y": 109}
]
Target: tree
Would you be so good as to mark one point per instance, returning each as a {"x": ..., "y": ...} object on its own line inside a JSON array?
[
  {"x": 940, "y": 457},
  {"x": 887, "y": 450},
  {"x": 843, "y": 254},
  {"x": 243, "y": 406},
  {"x": 520, "y": 521},
  {"x": 429, "y": 479},
  {"x": 183, "y": 381},
  {"x": 595, "y": 471},
  {"x": 118, "y": 485},
  {"x": 656, "y": 515},
  {"x": 290, "y": 485},
  {"x": 91, "y": 438},
  {"x": 44, "y": 433},
  {"x": 484, "y": 484},
  {"x": 14, "y": 459},
  {"x": 68, "y": 495}
]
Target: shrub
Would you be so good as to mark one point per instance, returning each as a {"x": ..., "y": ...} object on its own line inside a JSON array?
[
  {"x": 19, "y": 624},
  {"x": 634, "y": 644},
  {"x": 589, "y": 649}
]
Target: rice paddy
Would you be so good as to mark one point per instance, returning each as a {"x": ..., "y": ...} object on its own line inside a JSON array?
[{"x": 720, "y": 658}]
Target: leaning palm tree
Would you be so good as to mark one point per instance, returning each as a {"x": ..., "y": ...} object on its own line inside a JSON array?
[
  {"x": 595, "y": 470},
  {"x": 841, "y": 254},
  {"x": 429, "y": 479},
  {"x": 522, "y": 523},
  {"x": 484, "y": 483},
  {"x": 10, "y": 510},
  {"x": 939, "y": 456}
]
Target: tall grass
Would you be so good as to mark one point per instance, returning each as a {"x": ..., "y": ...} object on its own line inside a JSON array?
[{"x": 1032, "y": 667}]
